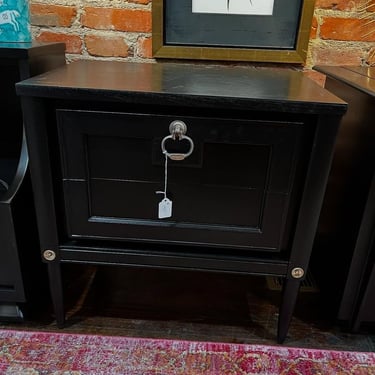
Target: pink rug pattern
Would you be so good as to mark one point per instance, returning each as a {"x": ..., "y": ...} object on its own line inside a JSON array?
[{"x": 41, "y": 353}]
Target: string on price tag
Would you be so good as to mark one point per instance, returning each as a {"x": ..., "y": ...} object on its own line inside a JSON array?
[{"x": 165, "y": 205}]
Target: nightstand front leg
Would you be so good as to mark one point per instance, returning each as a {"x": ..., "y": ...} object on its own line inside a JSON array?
[
  {"x": 55, "y": 282},
  {"x": 289, "y": 299}
]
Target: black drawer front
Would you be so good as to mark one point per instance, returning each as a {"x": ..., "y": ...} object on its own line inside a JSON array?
[{"x": 233, "y": 191}]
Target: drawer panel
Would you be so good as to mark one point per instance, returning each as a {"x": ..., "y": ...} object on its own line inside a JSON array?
[
  {"x": 194, "y": 203},
  {"x": 233, "y": 191}
]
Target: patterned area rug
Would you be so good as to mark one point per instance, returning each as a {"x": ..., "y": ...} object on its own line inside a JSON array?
[{"x": 32, "y": 353}]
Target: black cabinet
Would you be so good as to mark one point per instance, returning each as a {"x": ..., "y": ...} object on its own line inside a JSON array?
[
  {"x": 348, "y": 215},
  {"x": 105, "y": 138},
  {"x": 20, "y": 264}
]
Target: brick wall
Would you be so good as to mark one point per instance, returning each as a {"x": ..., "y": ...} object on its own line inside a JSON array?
[{"x": 343, "y": 31}]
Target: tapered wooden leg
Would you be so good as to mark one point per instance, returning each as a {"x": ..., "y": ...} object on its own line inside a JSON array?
[
  {"x": 56, "y": 289},
  {"x": 289, "y": 299}
]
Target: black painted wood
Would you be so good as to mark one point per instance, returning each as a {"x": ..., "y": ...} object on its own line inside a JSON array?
[
  {"x": 246, "y": 201},
  {"x": 348, "y": 215},
  {"x": 20, "y": 266},
  {"x": 362, "y": 269},
  {"x": 236, "y": 195}
]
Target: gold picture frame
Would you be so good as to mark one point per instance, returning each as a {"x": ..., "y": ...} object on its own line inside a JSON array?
[{"x": 165, "y": 17}]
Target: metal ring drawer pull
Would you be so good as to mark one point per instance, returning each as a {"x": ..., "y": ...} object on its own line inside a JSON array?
[{"x": 178, "y": 129}]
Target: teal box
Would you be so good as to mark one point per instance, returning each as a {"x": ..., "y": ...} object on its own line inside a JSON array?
[{"x": 15, "y": 21}]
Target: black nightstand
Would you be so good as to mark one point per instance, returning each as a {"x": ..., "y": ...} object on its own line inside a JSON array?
[
  {"x": 247, "y": 199},
  {"x": 19, "y": 260}
]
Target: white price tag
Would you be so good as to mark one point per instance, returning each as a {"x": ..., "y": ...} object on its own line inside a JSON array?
[{"x": 165, "y": 208}]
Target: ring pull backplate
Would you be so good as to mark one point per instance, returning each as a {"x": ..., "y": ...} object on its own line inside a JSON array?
[{"x": 178, "y": 129}]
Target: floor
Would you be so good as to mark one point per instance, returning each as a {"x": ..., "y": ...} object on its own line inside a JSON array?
[{"x": 191, "y": 306}]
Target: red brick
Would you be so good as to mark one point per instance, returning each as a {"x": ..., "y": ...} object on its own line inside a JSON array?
[
  {"x": 344, "y": 5},
  {"x": 131, "y": 20},
  {"x": 107, "y": 47},
  {"x": 144, "y": 2},
  {"x": 73, "y": 42},
  {"x": 144, "y": 47},
  {"x": 97, "y": 18},
  {"x": 350, "y": 29},
  {"x": 52, "y": 15},
  {"x": 330, "y": 55}
]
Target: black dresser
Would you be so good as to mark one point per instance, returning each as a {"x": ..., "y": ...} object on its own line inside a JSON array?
[
  {"x": 348, "y": 215},
  {"x": 191, "y": 167},
  {"x": 20, "y": 265}
]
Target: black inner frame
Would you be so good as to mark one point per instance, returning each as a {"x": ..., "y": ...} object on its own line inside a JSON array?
[{"x": 279, "y": 31}]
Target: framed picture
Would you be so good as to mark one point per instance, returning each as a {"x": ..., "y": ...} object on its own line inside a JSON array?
[{"x": 235, "y": 30}]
